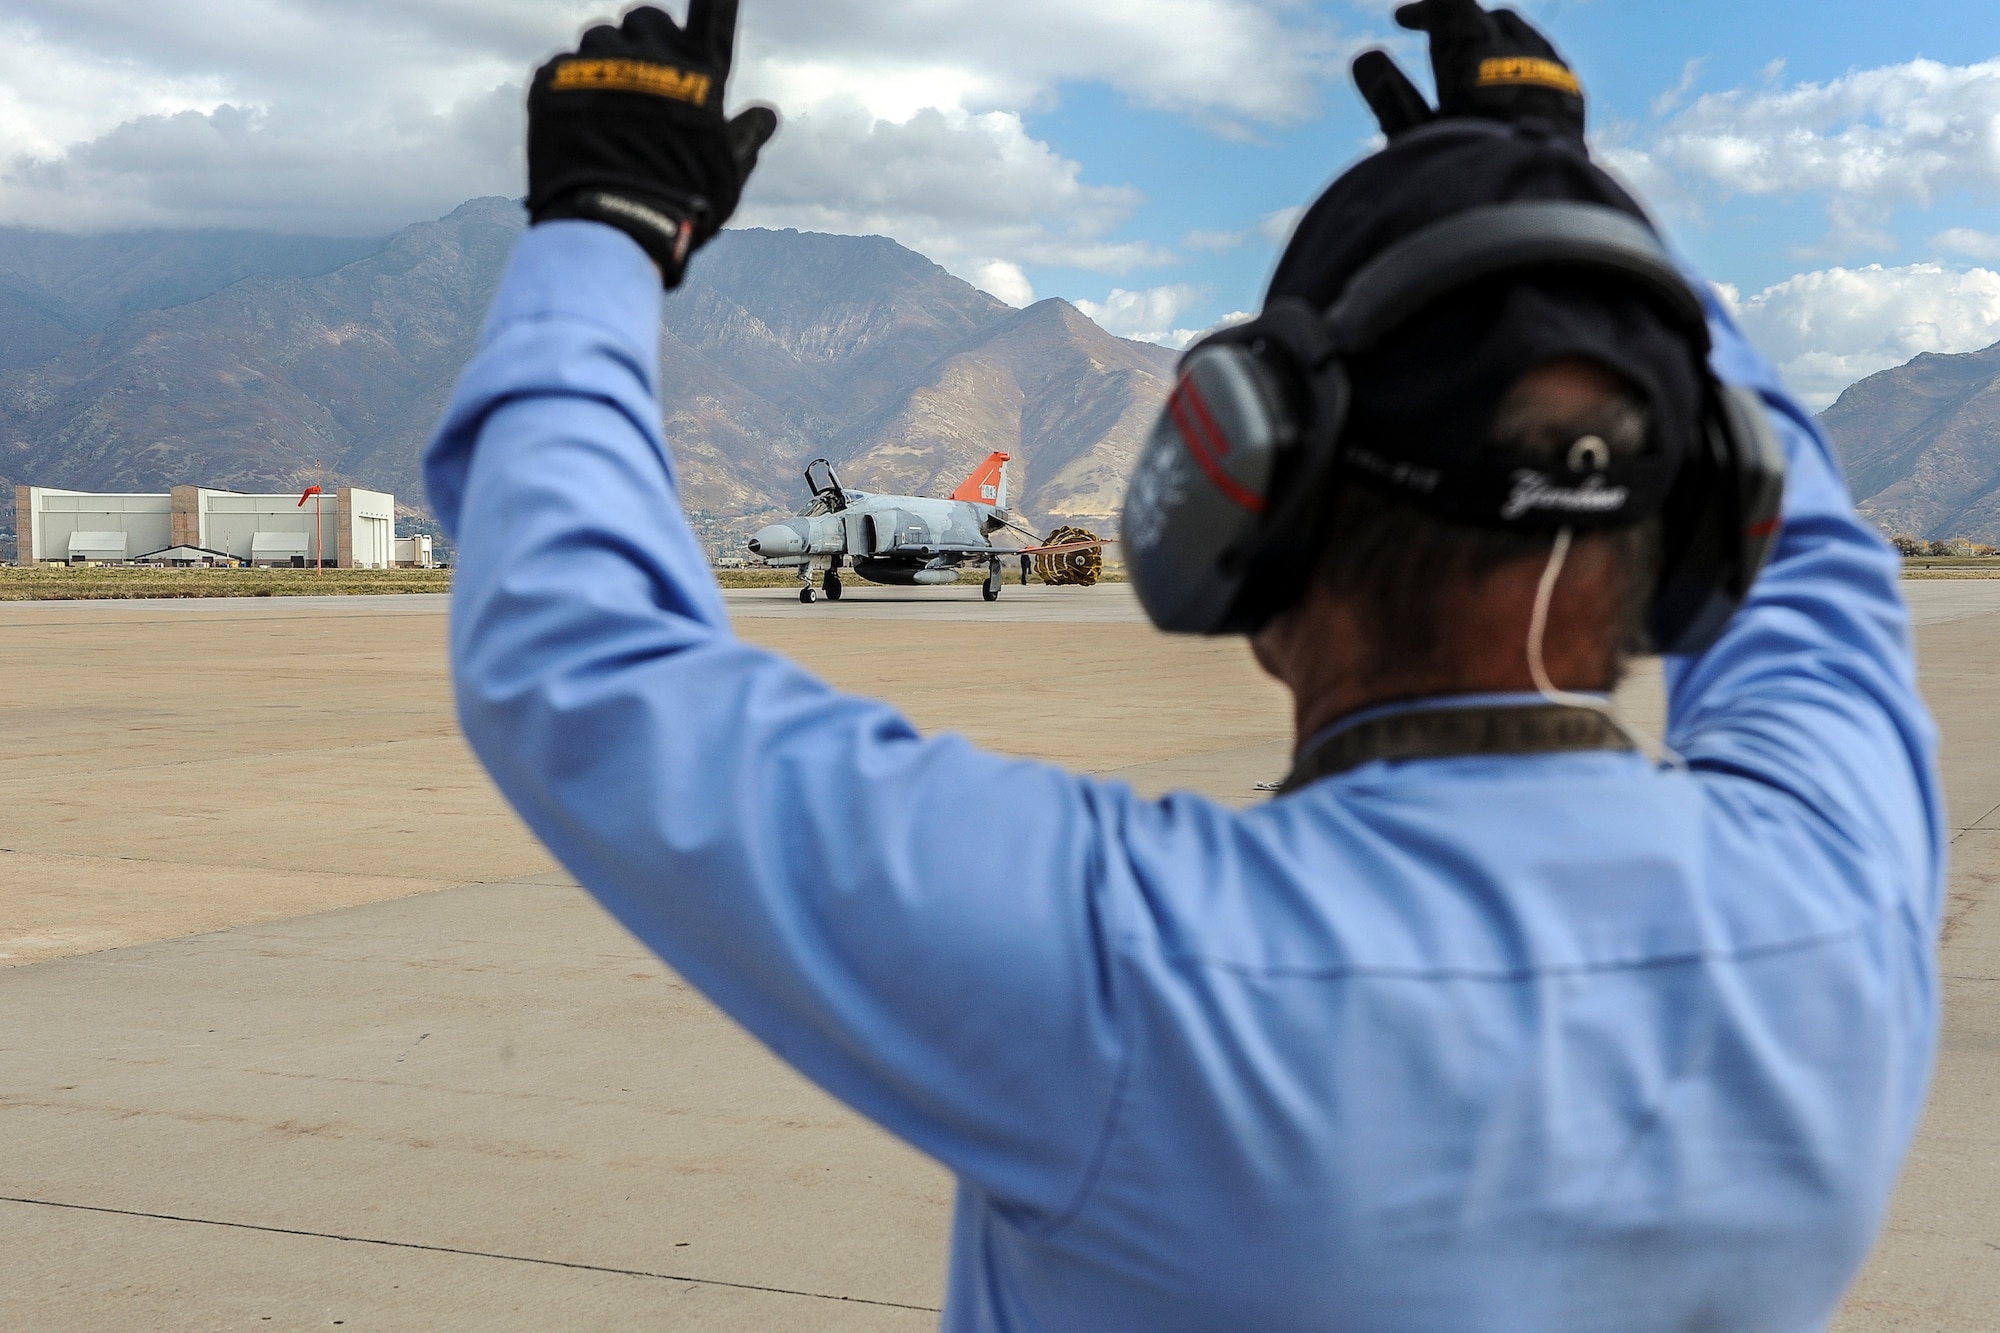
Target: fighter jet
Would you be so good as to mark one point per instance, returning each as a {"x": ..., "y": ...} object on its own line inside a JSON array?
[{"x": 904, "y": 540}]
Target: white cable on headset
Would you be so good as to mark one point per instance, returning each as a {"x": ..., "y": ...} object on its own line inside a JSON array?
[{"x": 1538, "y": 625}]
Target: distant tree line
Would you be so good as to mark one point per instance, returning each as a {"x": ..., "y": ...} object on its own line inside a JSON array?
[{"x": 1955, "y": 547}]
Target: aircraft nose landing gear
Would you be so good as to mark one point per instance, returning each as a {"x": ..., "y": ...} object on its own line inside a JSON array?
[{"x": 806, "y": 594}]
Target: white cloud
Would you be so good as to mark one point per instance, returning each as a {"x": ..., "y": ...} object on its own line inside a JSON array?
[
  {"x": 1828, "y": 329},
  {"x": 903, "y": 117},
  {"x": 1674, "y": 96},
  {"x": 962, "y": 188},
  {"x": 236, "y": 167},
  {"x": 53, "y": 96},
  {"x": 1965, "y": 241},
  {"x": 1217, "y": 241},
  {"x": 352, "y": 117},
  {"x": 1276, "y": 228},
  {"x": 1147, "y": 316},
  {"x": 1871, "y": 141},
  {"x": 1006, "y": 281},
  {"x": 1252, "y": 60}
]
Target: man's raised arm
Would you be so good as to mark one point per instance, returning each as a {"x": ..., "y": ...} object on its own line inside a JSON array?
[
  {"x": 921, "y": 928},
  {"x": 1812, "y": 688}
]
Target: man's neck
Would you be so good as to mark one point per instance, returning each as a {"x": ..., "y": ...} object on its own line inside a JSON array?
[{"x": 1322, "y": 652}]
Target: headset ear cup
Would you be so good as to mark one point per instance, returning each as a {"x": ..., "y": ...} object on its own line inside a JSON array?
[
  {"x": 1760, "y": 478},
  {"x": 1199, "y": 494},
  {"x": 1720, "y": 523},
  {"x": 1300, "y": 523}
]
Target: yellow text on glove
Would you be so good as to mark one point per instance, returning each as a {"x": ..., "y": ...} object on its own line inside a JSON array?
[
  {"x": 1530, "y": 71},
  {"x": 632, "y": 76}
]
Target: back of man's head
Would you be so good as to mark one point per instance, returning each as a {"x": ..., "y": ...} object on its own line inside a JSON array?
[{"x": 1526, "y": 366}]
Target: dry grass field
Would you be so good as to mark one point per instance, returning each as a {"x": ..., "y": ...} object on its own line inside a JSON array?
[{"x": 65, "y": 583}]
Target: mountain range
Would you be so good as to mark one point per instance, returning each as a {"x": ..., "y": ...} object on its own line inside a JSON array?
[
  {"x": 1921, "y": 444},
  {"x": 250, "y": 362}
]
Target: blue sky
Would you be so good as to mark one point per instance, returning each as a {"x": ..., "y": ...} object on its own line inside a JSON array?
[
  {"x": 1631, "y": 55},
  {"x": 1835, "y": 167},
  {"x": 1644, "y": 64}
]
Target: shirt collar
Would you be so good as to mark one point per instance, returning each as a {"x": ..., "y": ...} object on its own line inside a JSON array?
[{"x": 1503, "y": 699}]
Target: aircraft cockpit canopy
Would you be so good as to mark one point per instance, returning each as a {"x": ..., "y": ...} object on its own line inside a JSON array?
[{"x": 828, "y": 497}]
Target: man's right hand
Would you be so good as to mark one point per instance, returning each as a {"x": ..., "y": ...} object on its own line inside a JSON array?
[
  {"x": 629, "y": 131},
  {"x": 1497, "y": 65},
  {"x": 1491, "y": 66}
]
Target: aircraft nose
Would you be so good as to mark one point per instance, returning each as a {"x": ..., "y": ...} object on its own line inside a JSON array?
[{"x": 778, "y": 539}]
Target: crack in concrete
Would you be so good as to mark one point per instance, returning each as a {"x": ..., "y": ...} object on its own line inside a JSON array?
[{"x": 470, "y": 1254}]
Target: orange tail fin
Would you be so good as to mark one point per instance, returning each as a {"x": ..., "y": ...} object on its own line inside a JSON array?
[{"x": 988, "y": 483}]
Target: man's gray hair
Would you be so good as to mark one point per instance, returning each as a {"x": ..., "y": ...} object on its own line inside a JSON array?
[{"x": 1400, "y": 568}]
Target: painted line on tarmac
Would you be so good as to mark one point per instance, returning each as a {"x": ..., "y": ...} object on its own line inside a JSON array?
[{"x": 470, "y": 1254}]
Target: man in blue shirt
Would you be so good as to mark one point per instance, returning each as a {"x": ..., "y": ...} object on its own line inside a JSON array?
[{"x": 1492, "y": 1021}]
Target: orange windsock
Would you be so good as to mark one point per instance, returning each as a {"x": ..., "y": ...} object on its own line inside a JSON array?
[{"x": 311, "y": 491}]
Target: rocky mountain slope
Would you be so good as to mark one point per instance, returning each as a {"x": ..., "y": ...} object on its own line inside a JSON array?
[
  {"x": 57, "y": 289},
  {"x": 1921, "y": 444},
  {"x": 780, "y": 348}
]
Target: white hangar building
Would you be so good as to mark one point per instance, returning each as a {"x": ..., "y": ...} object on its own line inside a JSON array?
[{"x": 348, "y": 528}]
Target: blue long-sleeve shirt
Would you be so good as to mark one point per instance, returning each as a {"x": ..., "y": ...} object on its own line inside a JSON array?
[{"x": 1556, "y": 1042}]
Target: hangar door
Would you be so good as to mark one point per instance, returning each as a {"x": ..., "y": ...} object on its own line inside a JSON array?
[{"x": 374, "y": 543}]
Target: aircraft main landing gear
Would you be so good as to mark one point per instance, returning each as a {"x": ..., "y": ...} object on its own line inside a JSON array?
[
  {"x": 832, "y": 585},
  {"x": 991, "y": 592}
]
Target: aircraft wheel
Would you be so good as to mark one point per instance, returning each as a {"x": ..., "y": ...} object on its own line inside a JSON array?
[
  {"x": 991, "y": 590},
  {"x": 806, "y": 594},
  {"x": 832, "y": 586}
]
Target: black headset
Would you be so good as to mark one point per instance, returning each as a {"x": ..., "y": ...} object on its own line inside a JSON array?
[{"x": 1228, "y": 508}]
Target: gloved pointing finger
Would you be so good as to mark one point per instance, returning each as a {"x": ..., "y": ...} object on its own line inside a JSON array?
[
  {"x": 1496, "y": 65},
  {"x": 1397, "y": 103},
  {"x": 712, "y": 29},
  {"x": 1456, "y": 20}
]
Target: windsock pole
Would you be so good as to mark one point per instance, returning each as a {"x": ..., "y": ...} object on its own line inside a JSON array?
[{"x": 317, "y": 494}]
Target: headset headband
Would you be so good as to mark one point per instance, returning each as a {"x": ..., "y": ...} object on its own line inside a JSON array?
[{"x": 1496, "y": 239}]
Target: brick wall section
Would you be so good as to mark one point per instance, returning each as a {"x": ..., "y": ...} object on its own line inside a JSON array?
[
  {"x": 24, "y": 527},
  {"x": 343, "y": 520},
  {"x": 185, "y": 524}
]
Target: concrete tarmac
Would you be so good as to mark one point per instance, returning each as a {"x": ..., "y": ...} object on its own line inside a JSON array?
[{"x": 299, "y": 1027}]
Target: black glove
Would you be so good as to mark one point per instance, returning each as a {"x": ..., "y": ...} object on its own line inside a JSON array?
[
  {"x": 629, "y": 131},
  {"x": 1493, "y": 66}
]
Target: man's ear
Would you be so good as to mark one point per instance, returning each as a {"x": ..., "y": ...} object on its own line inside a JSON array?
[
  {"x": 1289, "y": 638},
  {"x": 1271, "y": 645}
]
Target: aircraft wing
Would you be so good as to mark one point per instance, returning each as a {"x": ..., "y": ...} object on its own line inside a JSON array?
[
  {"x": 1066, "y": 547},
  {"x": 958, "y": 552},
  {"x": 983, "y": 552}
]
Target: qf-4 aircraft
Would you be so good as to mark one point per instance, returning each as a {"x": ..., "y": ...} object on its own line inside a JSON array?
[{"x": 904, "y": 540}]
